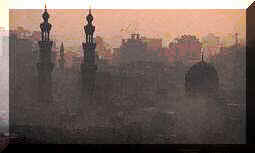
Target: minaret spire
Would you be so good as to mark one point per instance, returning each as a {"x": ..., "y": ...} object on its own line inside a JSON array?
[
  {"x": 89, "y": 28},
  {"x": 89, "y": 8},
  {"x": 45, "y": 26}
]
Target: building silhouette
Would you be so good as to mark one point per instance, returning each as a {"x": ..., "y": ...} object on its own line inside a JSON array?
[
  {"x": 138, "y": 48},
  {"x": 45, "y": 65},
  {"x": 88, "y": 65},
  {"x": 201, "y": 79}
]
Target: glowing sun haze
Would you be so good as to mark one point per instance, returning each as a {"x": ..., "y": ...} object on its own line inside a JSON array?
[{"x": 118, "y": 4}]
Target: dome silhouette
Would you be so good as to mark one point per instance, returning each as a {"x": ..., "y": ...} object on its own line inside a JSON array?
[{"x": 201, "y": 79}]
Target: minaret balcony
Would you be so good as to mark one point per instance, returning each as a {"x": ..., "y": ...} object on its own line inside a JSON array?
[
  {"x": 89, "y": 46},
  {"x": 45, "y": 44}
]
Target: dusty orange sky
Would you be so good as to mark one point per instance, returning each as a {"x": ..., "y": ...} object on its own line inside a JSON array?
[{"x": 166, "y": 24}]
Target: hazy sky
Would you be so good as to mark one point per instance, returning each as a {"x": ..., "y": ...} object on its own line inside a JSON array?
[
  {"x": 166, "y": 24},
  {"x": 118, "y": 4}
]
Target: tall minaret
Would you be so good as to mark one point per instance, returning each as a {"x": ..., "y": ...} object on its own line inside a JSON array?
[
  {"x": 45, "y": 65},
  {"x": 62, "y": 59},
  {"x": 89, "y": 67}
]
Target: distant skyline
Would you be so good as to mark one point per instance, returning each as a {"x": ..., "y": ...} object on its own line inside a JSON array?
[{"x": 164, "y": 24}]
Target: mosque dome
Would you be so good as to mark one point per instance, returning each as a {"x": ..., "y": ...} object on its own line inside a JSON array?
[{"x": 201, "y": 78}]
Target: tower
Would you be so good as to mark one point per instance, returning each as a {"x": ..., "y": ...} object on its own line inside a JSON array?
[
  {"x": 89, "y": 67},
  {"x": 45, "y": 65},
  {"x": 61, "y": 60}
]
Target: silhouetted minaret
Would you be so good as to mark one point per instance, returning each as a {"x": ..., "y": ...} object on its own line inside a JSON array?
[
  {"x": 89, "y": 67},
  {"x": 61, "y": 60},
  {"x": 45, "y": 65}
]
